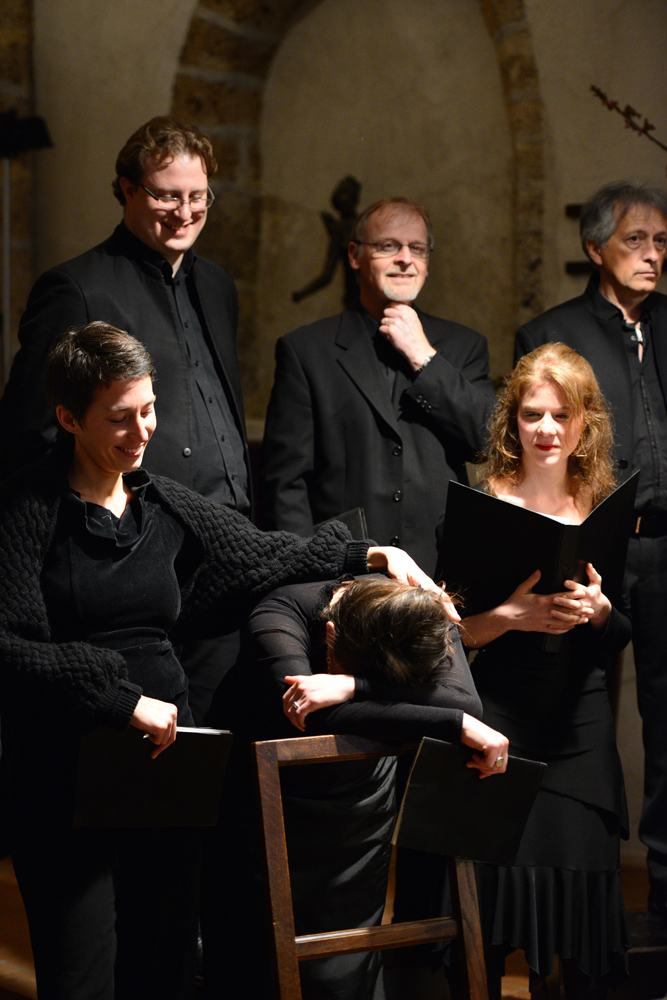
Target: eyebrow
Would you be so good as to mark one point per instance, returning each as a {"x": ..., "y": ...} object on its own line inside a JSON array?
[{"x": 121, "y": 409}]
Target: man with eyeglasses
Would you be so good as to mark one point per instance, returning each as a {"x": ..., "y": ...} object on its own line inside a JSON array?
[
  {"x": 619, "y": 325},
  {"x": 381, "y": 406},
  {"x": 146, "y": 279}
]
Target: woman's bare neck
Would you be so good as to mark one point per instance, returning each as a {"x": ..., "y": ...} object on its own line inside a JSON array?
[
  {"x": 96, "y": 487},
  {"x": 544, "y": 495}
]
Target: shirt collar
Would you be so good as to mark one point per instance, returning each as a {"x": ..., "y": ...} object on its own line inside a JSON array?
[
  {"x": 147, "y": 257},
  {"x": 605, "y": 309}
]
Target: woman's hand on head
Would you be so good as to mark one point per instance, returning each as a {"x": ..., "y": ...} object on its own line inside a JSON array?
[
  {"x": 308, "y": 692},
  {"x": 399, "y": 565},
  {"x": 593, "y": 602},
  {"x": 493, "y": 747},
  {"x": 158, "y": 720}
]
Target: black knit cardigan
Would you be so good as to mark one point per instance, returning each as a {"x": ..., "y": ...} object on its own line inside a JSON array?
[{"x": 234, "y": 563}]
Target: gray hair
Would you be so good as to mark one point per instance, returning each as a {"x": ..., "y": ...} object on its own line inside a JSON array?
[{"x": 602, "y": 214}]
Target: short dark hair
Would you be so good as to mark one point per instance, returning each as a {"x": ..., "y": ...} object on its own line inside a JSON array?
[
  {"x": 401, "y": 205},
  {"x": 391, "y": 632},
  {"x": 160, "y": 139},
  {"x": 603, "y": 212},
  {"x": 92, "y": 357}
]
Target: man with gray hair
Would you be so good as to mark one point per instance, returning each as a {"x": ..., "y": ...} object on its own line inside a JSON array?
[
  {"x": 619, "y": 325},
  {"x": 380, "y": 406}
]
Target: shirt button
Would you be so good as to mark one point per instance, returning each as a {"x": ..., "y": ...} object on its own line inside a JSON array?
[
  {"x": 210, "y": 399},
  {"x": 222, "y": 437},
  {"x": 398, "y": 495},
  {"x": 398, "y": 450},
  {"x": 395, "y": 540},
  {"x": 622, "y": 463},
  {"x": 187, "y": 452}
]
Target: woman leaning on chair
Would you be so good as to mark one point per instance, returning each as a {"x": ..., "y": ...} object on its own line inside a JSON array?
[{"x": 549, "y": 451}]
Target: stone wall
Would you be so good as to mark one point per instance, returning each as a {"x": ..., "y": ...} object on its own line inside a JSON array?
[{"x": 16, "y": 94}]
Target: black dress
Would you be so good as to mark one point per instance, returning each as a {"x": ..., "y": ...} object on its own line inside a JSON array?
[
  {"x": 563, "y": 895},
  {"x": 339, "y": 817}
]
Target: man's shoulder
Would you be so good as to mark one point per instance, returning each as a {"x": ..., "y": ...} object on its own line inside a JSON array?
[
  {"x": 559, "y": 317},
  {"x": 318, "y": 337}
]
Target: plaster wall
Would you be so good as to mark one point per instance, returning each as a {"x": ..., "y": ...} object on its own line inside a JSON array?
[
  {"x": 100, "y": 71},
  {"x": 408, "y": 100},
  {"x": 619, "y": 46}
]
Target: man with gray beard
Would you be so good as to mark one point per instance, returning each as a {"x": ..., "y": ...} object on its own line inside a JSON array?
[{"x": 381, "y": 406}]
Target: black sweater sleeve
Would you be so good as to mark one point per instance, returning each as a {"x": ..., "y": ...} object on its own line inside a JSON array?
[{"x": 281, "y": 645}]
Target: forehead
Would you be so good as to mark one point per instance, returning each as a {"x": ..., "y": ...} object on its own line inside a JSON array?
[
  {"x": 546, "y": 394},
  {"x": 397, "y": 222},
  {"x": 184, "y": 169},
  {"x": 123, "y": 393},
  {"x": 640, "y": 216}
]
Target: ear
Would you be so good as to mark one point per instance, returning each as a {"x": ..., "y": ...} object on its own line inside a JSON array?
[
  {"x": 352, "y": 253},
  {"x": 594, "y": 252},
  {"x": 66, "y": 420},
  {"x": 331, "y": 634},
  {"x": 127, "y": 187}
]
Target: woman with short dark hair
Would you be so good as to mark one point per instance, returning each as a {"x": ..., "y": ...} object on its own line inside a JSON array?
[{"x": 102, "y": 568}]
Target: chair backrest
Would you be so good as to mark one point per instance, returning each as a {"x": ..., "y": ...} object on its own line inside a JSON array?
[{"x": 288, "y": 949}]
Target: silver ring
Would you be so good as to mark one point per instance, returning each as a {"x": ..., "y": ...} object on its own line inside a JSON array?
[{"x": 499, "y": 761}]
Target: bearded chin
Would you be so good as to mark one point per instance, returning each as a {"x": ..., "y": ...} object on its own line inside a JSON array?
[{"x": 400, "y": 294}]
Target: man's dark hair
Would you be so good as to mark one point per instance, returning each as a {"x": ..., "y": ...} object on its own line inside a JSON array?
[
  {"x": 160, "y": 139},
  {"x": 399, "y": 205},
  {"x": 92, "y": 357},
  {"x": 602, "y": 214}
]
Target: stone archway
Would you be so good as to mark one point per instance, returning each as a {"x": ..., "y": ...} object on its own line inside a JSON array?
[{"x": 220, "y": 84}]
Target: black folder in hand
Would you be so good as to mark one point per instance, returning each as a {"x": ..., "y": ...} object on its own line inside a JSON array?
[
  {"x": 119, "y": 785},
  {"x": 490, "y": 546},
  {"x": 448, "y": 809}
]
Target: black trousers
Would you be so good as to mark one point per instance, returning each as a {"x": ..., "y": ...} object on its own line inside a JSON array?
[
  {"x": 112, "y": 913},
  {"x": 647, "y": 580}
]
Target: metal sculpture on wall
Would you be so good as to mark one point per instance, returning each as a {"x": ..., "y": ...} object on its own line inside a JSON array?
[{"x": 345, "y": 199}]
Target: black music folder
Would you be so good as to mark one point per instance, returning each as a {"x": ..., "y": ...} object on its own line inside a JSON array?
[
  {"x": 119, "y": 785},
  {"x": 490, "y": 546},
  {"x": 448, "y": 809}
]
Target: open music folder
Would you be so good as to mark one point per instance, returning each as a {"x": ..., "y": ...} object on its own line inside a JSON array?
[
  {"x": 489, "y": 546},
  {"x": 448, "y": 809}
]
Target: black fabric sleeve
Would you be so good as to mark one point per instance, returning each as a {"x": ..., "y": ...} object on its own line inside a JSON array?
[{"x": 281, "y": 646}]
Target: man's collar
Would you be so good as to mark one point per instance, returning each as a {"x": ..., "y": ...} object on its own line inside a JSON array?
[
  {"x": 605, "y": 309},
  {"x": 137, "y": 250}
]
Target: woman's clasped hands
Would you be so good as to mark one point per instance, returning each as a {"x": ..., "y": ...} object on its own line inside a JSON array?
[{"x": 556, "y": 614}]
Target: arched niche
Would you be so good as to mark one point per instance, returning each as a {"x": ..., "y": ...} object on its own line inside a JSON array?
[{"x": 444, "y": 97}]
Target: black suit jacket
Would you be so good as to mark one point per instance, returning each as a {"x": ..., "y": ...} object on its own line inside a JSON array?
[
  {"x": 115, "y": 282},
  {"x": 591, "y": 325},
  {"x": 333, "y": 440}
]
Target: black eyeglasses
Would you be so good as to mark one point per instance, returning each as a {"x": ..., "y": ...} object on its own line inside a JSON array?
[
  {"x": 388, "y": 248},
  {"x": 197, "y": 202}
]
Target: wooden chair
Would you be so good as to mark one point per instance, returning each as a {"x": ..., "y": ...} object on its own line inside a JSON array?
[{"x": 463, "y": 926}]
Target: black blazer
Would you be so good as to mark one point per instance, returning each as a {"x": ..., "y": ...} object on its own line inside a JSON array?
[
  {"x": 333, "y": 440},
  {"x": 591, "y": 325},
  {"x": 115, "y": 282}
]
